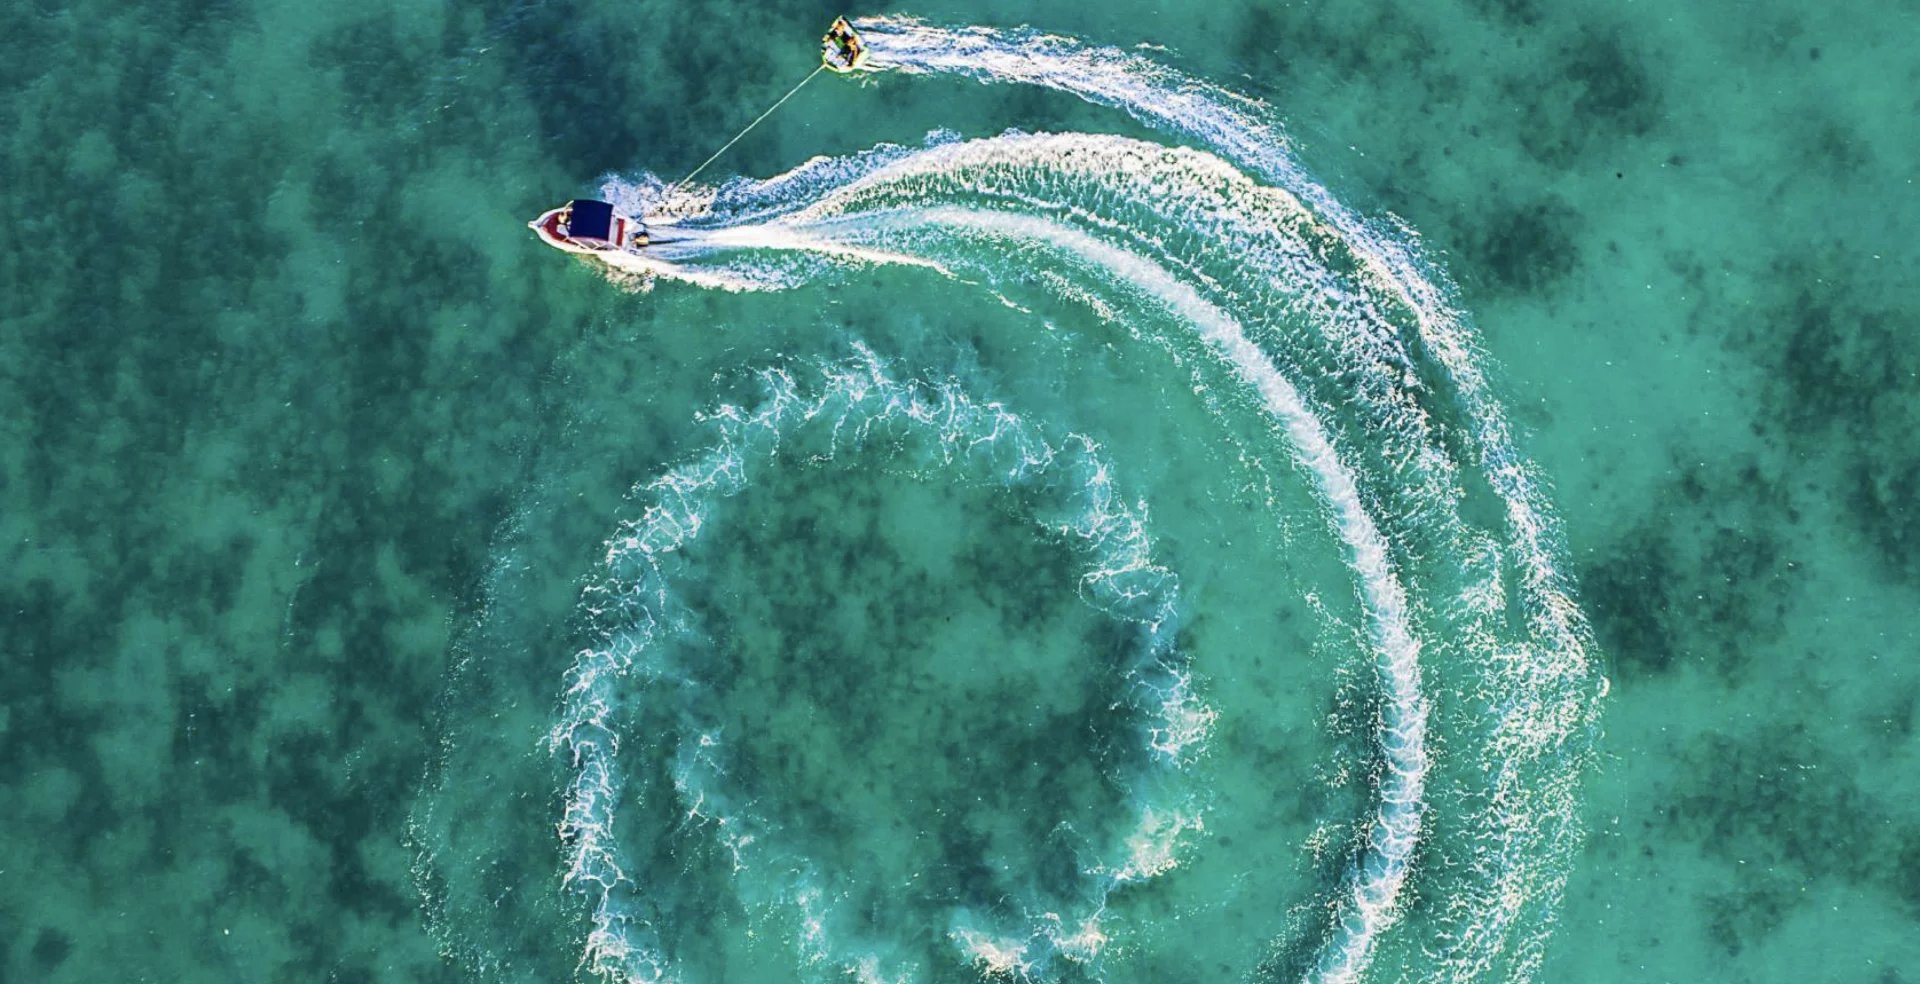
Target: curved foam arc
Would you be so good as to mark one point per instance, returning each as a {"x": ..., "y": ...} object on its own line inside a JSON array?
[
  {"x": 1396, "y": 826},
  {"x": 631, "y": 607},
  {"x": 1077, "y": 176},
  {"x": 1178, "y": 189},
  {"x": 1244, "y": 131},
  {"x": 1186, "y": 190}
]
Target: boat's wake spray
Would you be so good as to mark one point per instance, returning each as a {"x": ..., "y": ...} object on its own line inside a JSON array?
[{"x": 1345, "y": 337}]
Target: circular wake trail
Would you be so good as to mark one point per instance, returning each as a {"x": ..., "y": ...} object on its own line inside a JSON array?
[
  {"x": 1396, "y": 828},
  {"x": 1299, "y": 312},
  {"x": 638, "y": 630},
  {"x": 1246, "y": 132},
  {"x": 1183, "y": 229}
]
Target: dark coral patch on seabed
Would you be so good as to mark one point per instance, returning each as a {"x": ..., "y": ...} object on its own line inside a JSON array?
[
  {"x": 1594, "y": 93},
  {"x": 1526, "y": 249},
  {"x": 50, "y": 949},
  {"x": 1844, "y": 371},
  {"x": 1670, "y": 594},
  {"x": 1789, "y": 813}
]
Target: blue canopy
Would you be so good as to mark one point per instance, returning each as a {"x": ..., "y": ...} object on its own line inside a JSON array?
[{"x": 591, "y": 220}]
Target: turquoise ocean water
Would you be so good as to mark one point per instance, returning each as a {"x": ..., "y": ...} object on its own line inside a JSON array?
[{"x": 1335, "y": 492}]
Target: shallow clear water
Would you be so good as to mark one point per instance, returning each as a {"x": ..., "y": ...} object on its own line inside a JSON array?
[{"x": 1109, "y": 551}]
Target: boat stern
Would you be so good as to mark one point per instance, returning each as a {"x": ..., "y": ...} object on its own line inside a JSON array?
[{"x": 587, "y": 226}]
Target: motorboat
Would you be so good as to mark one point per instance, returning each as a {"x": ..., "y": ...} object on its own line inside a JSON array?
[{"x": 590, "y": 228}]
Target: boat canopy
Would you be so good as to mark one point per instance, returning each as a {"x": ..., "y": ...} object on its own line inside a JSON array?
[{"x": 590, "y": 220}]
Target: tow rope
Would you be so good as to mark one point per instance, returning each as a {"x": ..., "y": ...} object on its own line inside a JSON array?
[{"x": 749, "y": 127}]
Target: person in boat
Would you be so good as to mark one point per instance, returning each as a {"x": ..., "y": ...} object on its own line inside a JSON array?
[
  {"x": 565, "y": 220},
  {"x": 845, "y": 44}
]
